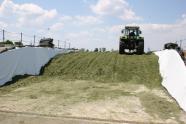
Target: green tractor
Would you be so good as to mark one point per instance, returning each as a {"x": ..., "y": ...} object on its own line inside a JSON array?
[
  {"x": 131, "y": 41},
  {"x": 46, "y": 42},
  {"x": 176, "y": 47},
  {"x": 172, "y": 46}
]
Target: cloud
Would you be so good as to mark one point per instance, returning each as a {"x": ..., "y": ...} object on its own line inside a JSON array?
[
  {"x": 57, "y": 26},
  {"x": 27, "y": 14},
  {"x": 184, "y": 16},
  {"x": 81, "y": 20},
  {"x": 85, "y": 1},
  {"x": 183, "y": 19},
  {"x": 78, "y": 29},
  {"x": 87, "y": 20},
  {"x": 75, "y": 21},
  {"x": 3, "y": 24},
  {"x": 118, "y": 8},
  {"x": 87, "y": 39}
]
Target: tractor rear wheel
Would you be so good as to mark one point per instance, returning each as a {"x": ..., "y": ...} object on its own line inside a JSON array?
[{"x": 140, "y": 48}]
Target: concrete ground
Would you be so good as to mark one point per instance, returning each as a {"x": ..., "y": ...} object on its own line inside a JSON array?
[
  {"x": 68, "y": 102},
  {"x": 31, "y": 118}
]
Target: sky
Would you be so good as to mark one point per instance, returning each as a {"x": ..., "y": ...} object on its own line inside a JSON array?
[{"x": 93, "y": 24}]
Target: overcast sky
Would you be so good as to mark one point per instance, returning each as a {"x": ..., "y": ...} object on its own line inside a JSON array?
[{"x": 95, "y": 23}]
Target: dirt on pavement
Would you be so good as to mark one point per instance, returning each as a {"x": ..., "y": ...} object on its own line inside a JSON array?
[{"x": 41, "y": 99}]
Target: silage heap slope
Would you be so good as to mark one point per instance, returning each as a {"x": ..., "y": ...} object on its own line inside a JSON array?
[{"x": 106, "y": 67}]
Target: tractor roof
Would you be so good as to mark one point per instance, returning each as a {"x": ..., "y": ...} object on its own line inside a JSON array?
[
  {"x": 46, "y": 40},
  {"x": 132, "y": 27}
]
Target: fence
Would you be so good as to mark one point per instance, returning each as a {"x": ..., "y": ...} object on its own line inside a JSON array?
[{"x": 25, "y": 39}]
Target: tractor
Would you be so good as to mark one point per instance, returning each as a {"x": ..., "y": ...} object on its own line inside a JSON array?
[
  {"x": 46, "y": 42},
  {"x": 172, "y": 46},
  {"x": 131, "y": 41},
  {"x": 176, "y": 47}
]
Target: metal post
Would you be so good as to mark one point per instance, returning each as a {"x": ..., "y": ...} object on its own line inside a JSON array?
[
  {"x": 65, "y": 45},
  {"x": 180, "y": 44},
  {"x": 34, "y": 39},
  {"x": 21, "y": 37},
  {"x": 58, "y": 43},
  {"x": 69, "y": 45},
  {"x": 3, "y": 35}
]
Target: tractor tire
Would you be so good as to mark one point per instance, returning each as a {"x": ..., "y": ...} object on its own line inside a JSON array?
[
  {"x": 140, "y": 48},
  {"x": 121, "y": 48}
]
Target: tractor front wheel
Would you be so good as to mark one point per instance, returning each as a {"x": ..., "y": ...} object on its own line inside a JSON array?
[{"x": 121, "y": 48}]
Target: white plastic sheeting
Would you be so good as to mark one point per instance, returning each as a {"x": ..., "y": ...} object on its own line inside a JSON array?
[
  {"x": 173, "y": 72},
  {"x": 23, "y": 61}
]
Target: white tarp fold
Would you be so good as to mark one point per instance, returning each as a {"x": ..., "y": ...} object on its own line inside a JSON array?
[
  {"x": 28, "y": 60},
  {"x": 173, "y": 72}
]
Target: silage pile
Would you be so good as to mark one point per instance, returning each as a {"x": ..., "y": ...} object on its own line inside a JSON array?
[
  {"x": 28, "y": 60},
  {"x": 173, "y": 72}
]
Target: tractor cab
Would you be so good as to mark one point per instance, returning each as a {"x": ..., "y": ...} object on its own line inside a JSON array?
[
  {"x": 131, "y": 31},
  {"x": 131, "y": 40}
]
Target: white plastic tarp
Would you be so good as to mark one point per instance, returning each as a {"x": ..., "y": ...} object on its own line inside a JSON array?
[
  {"x": 173, "y": 72},
  {"x": 28, "y": 60}
]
